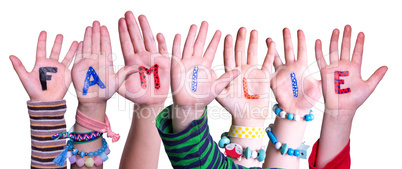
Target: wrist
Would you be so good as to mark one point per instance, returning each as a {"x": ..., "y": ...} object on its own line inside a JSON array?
[
  {"x": 182, "y": 116},
  {"x": 95, "y": 111},
  {"x": 142, "y": 111},
  {"x": 339, "y": 116}
]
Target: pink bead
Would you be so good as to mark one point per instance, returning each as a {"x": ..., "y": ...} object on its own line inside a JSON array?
[
  {"x": 80, "y": 162},
  {"x": 98, "y": 161},
  {"x": 72, "y": 159},
  {"x": 107, "y": 151}
]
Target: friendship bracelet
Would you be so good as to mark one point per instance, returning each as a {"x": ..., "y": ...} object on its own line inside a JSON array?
[
  {"x": 246, "y": 132},
  {"x": 96, "y": 157},
  {"x": 300, "y": 152},
  {"x": 79, "y": 137},
  {"x": 290, "y": 116},
  {"x": 92, "y": 124},
  {"x": 236, "y": 151}
]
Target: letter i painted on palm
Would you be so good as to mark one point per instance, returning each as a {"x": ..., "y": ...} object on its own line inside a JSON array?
[
  {"x": 294, "y": 84},
  {"x": 194, "y": 79},
  {"x": 338, "y": 82},
  {"x": 88, "y": 83}
]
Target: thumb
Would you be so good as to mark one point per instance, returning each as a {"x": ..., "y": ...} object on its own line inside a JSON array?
[
  {"x": 225, "y": 79},
  {"x": 123, "y": 73},
  {"x": 18, "y": 67},
  {"x": 376, "y": 77}
]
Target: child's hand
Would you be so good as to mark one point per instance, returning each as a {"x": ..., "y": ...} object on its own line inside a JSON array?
[
  {"x": 294, "y": 88},
  {"x": 93, "y": 75},
  {"x": 343, "y": 87},
  {"x": 238, "y": 99},
  {"x": 142, "y": 51},
  {"x": 208, "y": 86},
  {"x": 49, "y": 79}
]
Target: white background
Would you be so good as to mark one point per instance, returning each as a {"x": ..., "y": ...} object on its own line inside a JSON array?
[{"x": 376, "y": 128}]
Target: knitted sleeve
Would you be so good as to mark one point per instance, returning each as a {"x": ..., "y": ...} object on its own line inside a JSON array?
[{"x": 47, "y": 119}]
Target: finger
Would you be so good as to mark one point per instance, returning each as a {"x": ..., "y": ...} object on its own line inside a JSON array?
[
  {"x": 301, "y": 47},
  {"x": 54, "y": 55},
  {"x": 376, "y": 77},
  {"x": 96, "y": 39},
  {"x": 277, "y": 60},
  {"x": 319, "y": 55},
  {"x": 358, "y": 51},
  {"x": 149, "y": 40},
  {"x": 345, "y": 50},
  {"x": 86, "y": 46},
  {"x": 78, "y": 56},
  {"x": 41, "y": 48},
  {"x": 18, "y": 67},
  {"x": 201, "y": 38},
  {"x": 240, "y": 47},
  {"x": 134, "y": 32},
  {"x": 70, "y": 54},
  {"x": 189, "y": 44},
  {"x": 287, "y": 40},
  {"x": 333, "y": 47},
  {"x": 176, "y": 50},
  {"x": 125, "y": 40},
  {"x": 212, "y": 47},
  {"x": 162, "y": 45},
  {"x": 105, "y": 43},
  {"x": 269, "y": 58},
  {"x": 123, "y": 73},
  {"x": 252, "y": 48},
  {"x": 225, "y": 79},
  {"x": 228, "y": 58}
]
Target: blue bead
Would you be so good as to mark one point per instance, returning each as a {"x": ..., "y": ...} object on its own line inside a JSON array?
[
  {"x": 104, "y": 157},
  {"x": 290, "y": 151},
  {"x": 272, "y": 137},
  {"x": 224, "y": 134},
  {"x": 311, "y": 111},
  {"x": 277, "y": 111},
  {"x": 103, "y": 149},
  {"x": 274, "y": 107},
  {"x": 247, "y": 153},
  {"x": 90, "y": 154},
  {"x": 297, "y": 153},
  {"x": 261, "y": 155},
  {"x": 75, "y": 151},
  {"x": 82, "y": 154},
  {"x": 223, "y": 142},
  {"x": 70, "y": 147},
  {"x": 100, "y": 152},
  {"x": 307, "y": 117},
  {"x": 289, "y": 116},
  {"x": 96, "y": 153},
  {"x": 312, "y": 117}
]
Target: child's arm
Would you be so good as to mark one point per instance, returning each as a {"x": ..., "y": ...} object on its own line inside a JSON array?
[
  {"x": 296, "y": 92},
  {"x": 344, "y": 92},
  {"x": 46, "y": 106},
  {"x": 95, "y": 81},
  {"x": 247, "y": 97},
  {"x": 143, "y": 142}
]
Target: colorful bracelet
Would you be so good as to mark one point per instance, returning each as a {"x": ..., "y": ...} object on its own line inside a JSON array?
[
  {"x": 300, "y": 152},
  {"x": 236, "y": 151},
  {"x": 290, "y": 116},
  {"x": 246, "y": 132},
  {"x": 79, "y": 137}
]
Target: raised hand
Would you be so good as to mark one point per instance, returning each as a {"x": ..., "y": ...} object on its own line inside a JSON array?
[
  {"x": 93, "y": 75},
  {"x": 295, "y": 89},
  {"x": 141, "y": 51},
  {"x": 251, "y": 89},
  {"x": 49, "y": 79},
  {"x": 343, "y": 87}
]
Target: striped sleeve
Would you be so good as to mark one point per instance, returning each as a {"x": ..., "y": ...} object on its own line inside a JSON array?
[
  {"x": 47, "y": 119},
  {"x": 192, "y": 147}
]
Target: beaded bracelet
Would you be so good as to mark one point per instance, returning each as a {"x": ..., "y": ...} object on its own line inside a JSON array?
[
  {"x": 96, "y": 157},
  {"x": 76, "y": 137},
  {"x": 300, "y": 152},
  {"x": 290, "y": 116},
  {"x": 236, "y": 151}
]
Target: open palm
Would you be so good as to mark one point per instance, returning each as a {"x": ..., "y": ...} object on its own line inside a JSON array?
[
  {"x": 57, "y": 85},
  {"x": 141, "y": 51},
  {"x": 302, "y": 97},
  {"x": 236, "y": 98},
  {"x": 352, "y": 93}
]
